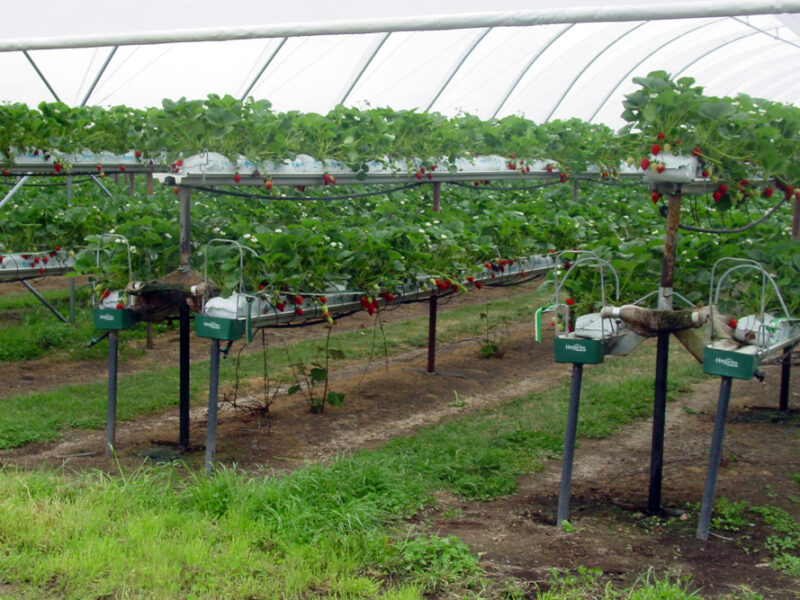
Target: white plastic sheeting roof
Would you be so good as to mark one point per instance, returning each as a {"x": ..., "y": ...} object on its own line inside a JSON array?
[{"x": 556, "y": 70}]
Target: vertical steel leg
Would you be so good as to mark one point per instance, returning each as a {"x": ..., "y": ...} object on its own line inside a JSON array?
[
  {"x": 111, "y": 415},
  {"x": 786, "y": 367},
  {"x": 569, "y": 444},
  {"x": 714, "y": 458},
  {"x": 213, "y": 396},
  {"x": 183, "y": 404},
  {"x": 72, "y": 300},
  {"x": 659, "y": 421},
  {"x": 432, "y": 334}
]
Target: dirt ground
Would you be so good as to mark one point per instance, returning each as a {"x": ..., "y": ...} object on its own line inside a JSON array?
[{"x": 515, "y": 536}]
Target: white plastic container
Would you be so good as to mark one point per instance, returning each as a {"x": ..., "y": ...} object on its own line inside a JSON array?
[
  {"x": 594, "y": 327},
  {"x": 762, "y": 332},
  {"x": 233, "y": 307}
]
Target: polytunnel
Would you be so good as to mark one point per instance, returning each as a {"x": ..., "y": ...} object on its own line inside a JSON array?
[{"x": 512, "y": 57}]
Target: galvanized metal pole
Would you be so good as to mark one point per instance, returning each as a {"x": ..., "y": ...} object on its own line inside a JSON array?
[
  {"x": 111, "y": 415},
  {"x": 44, "y": 301},
  {"x": 714, "y": 458},
  {"x": 569, "y": 444},
  {"x": 213, "y": 396},
  {"x": 131, "y": 184},
  {"x": 437, "y": 196},
  {"x": 662, "y": 356},
  {"x": 150, "y": 190},
  {"x": 69, "y": 189},
  {"x": 185, "y": 198}
]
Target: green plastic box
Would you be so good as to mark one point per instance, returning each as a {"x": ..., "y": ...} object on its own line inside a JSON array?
[
  {"x": 579, "y": 350},
  {"x": 729, "y": 363},
  {"x": 218, "y": 328},
  {"x": 114, "y": 318}
]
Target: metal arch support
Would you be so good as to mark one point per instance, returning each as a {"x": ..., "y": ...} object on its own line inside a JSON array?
[
  {"x": 459, "y": 63},
  {"x": 528, "y": 66},
  {"x": 41, "y": 75},
  {"x": 99, "y": 75},
  {"x": 766, "y": 32},
  {"x": 264, "y": 68},
  {"x": 587, "y": 65},
  {"x": 714, "y": 49},
  {"x": 365, "y": 63},
  {"x": 643, "y": 60}
]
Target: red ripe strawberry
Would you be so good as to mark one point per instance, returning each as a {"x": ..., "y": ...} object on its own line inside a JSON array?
[
  {"x": 488, "y": 265},
  {"x": 57, "y": 167},
  {"x": 789, "y": 190},
  {"x": 36, "y": 153},
  {"x": 655, "y": 197},
  {"x": 430, "y": 175},
  {"x": 389, "y": 297},
  {"x": 120, "y": 306},
  {"x": 645, "y": 164},
  {"x": 36, "y": 260},
  {"x": 6, "y": 172},
  {"x": 478, "y": 285},
  {"x": 512, "y": 166},
  {"x": 418, "y": 175},
  {"x": 179, "y": 162},
  {"x": 298, "y": 299},
  {"x": 549, "y": 168},
  {"x": 122, "y": 168},
  {"x": 44, "y": 259},
  {"x": 705, "y": 173},
  {"x": 237, "y": 178},
  {"x": 268, "y": 185},
  {"x": 298, "y": 311},
  {"x": 604, "y": 175},
  {"x": 660, "y": 135},
  {"x": 1, "y": 259},
  {"x": 138, "y": 154},
  {"x": 370, "y": 309},
  {"x": 471, "y": 279},
  {"x": 570, "y": 301},
  {"x": 176, "y": 190},
  {"x": 105, "y": 294},
  {"x": 744, "y": 182},
  {"x": 422, "y": 169},
  {"x": 768, "y": 192},
  {"x": 723, "y": 188},
  {"x": 732, "y": 323},
  {"x": 57, "y": 248},
  {"x": 326, "y": 179},
  {"x": 522, "y": 273},
  {"x": 696, "y": 151},
  {"x": 280, "y": 306},
  {"x": 260, "y": 286},
  {"x": 660, "y": 168},
  {"x": 41, "y": 271},
  {"x": 655, "y": 149},
  {"x": 323, "y": 300},
  {"x": 476, "y": 183},
  {"x": 562, "y": 176},
  {"x": 717, "y": 196},
  {"x": 364, "y": 301},
  {"x": 99, "y": 168}
]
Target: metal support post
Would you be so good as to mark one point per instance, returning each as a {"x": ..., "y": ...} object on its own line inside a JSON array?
[
  {"x": 659, "y": 423},
  {"x": 714, "y": 458},
  {"x": 437, "y": 196},
  {"x": 569, "y": 444},
  {"x": 149, "y": 184},
  {"x": 183, "y": 403},
  {"x": 13, "y": 190},
  {"x": 111, "y": 415},
  {"x": 131, "y": 184},
  {"x": 42, "y": 299},
  {"x": 786, "y": 367},
  {"x": 69, "y": 189},
  {"x": 432, "y": 305},
  {"x": 72, "y": 300},
  {"x": 213, "y": 396},
  {"x": 185, "y": 227}
]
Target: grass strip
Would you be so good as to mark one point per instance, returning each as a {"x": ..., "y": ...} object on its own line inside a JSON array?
[
  {"x": 40, "y": 417},
  {"x": 322, "y": 531}
]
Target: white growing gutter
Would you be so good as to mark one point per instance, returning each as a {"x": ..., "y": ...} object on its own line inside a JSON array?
[{"x": 525, "y": 18}]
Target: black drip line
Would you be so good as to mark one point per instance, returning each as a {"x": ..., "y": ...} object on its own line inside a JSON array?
[
  {"x": 220, "y": 192},
  {"x": 741, "y": 229},
  {"x": 523, "y": 188}
]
